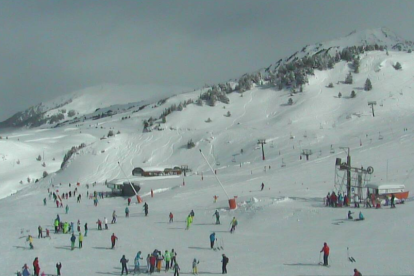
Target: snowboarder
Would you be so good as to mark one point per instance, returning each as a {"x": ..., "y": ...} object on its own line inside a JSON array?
[
  {"x": 126, "y": 212},
  {"x": 113, "y": 217},
  {"x": 357, "y": 273},
  {"x": 113, "y": 240},
  {"x": 188, "y": 220},
  {"x": 30, "y": 240},
  {"x": 176, "y": 269},
  {"x": 67, "y": 208},
  {"x": 212, "y": 240},
  {"x": 80, "y": 239},
  {"x": 36, "y": 267},
  {"x": 171, "y": 217},
  {"x": 146, "y": 209},
  {"x": 40, "y": 230},
  {"x": 361, "y": 216},
  {"x": 195, "y": 263},
  {"x": 136, "y": 262},
  {"x": 217, "y": 214},
  {"x": 350, "y": 214},
  {"x": 124, "y": 262},
  {"x": 262, "y": 187},
  {"x": 58, "y": 268},
  {"x": 72, "y": 240},
  {"x": 106, "y": 223},
  {"x": 233, "y": 225},
  {"x": 224, "y": 261},
  {"x": 325, "y": 250}
]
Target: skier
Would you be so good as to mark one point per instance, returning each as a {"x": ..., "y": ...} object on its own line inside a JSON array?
[
  {"x": 126, "y": 212},
  {"x": 160, "y": 258},
  {"x": 113, "y": 217},
  {"x": 72, "y": 227},
  {"x": 233, "y": 225},
  {"x": 195, "y": 263},
  {"x": 153, "y": 261},
  {"x": 56, "y": 226},
  {"x": 44, "y": 201},
  {"x": 167, "y": 259},
  {"x": 262, "y": 187},
  {"x": 148, "y": 263},
  {"x": 188, "y": 220},
  {"x": 47, "y": 234},
  {"x": 86, "y": 229},
  {"x": 124, "y": 262},
  {"x": 171, "y": 217},
  {"x": 217, "y": 214},
  {"x": 225, "y": 261},
  {"x": 129, "y": 201},
  {"x": 192, "y": 214},
  {"x": 36, "y": 267},
  {"x": 67, "y": 208},
  {"x": 350, "y": 214},
  {"x": 212, "y": 239},
  {"x": 215, "y": 198},
  {"x": 80, "y": 239},
  {"x": 136, "y": 262},
  {"x": 25, "y": 271},
  {"x": 113, "y": 240},
  {"x": 356, "y": 201},
  {"x": 72, "y": 240},
  {"x": 176, "y": 269},
  {"x": 78, "y": 226},
  {"x": 146, "y": 209},
  {"x": 58, "y": 268},
  {"x": 173, "y": 255},
  {"x": 30, "y": 240},
  {"x": 106, "y": 223},
  {"x": 40, "y": 230},
  {"x": 357, "y": 273},
  {"x": 392, "y": 201},
  {"x": 325, "y": 250},
  {"x": 99, "y": 222}
]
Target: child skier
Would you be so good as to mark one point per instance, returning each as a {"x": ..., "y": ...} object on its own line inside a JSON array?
[{"x": 195, "y": 263}]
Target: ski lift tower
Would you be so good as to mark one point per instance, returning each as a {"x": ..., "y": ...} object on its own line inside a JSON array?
[
  {"x": 347, "y": 182},
  {"x": 262, "y": 142},
  {"x": 372, "y": 103}
]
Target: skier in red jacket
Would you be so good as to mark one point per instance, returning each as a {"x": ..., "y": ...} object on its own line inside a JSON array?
[
  {"x": 325, "y": 250},
  {"x": 113, "y": 239}
]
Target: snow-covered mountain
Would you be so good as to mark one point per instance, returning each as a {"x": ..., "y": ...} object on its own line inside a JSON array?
[
  {"x": 281, "y": 229},
  {"x": 87, "y": 101}
]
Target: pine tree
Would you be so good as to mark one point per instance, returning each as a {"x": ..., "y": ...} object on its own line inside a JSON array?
[
  {"x": 348, "y": 79},
  {"x": 368, "y": 85},
  {"x": 353, "y": 95}
]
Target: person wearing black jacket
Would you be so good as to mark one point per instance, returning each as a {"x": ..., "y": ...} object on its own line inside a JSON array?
[
  {"x": 124, "y": 262},
  {"x": 225, "y": 261},
  {"x": 58, "y": 268}
]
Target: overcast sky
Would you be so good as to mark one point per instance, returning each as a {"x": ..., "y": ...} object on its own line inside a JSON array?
[{"x": 49, "y": 48}]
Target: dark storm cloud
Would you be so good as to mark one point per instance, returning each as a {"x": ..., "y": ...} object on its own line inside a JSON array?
[{"x": 49, "y": 48}]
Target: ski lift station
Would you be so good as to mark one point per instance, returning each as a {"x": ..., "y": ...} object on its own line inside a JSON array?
[{"x": 123, "y": 187}]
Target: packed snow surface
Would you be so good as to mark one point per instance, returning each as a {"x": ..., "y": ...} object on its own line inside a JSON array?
[{"x": 281, "y": 229}]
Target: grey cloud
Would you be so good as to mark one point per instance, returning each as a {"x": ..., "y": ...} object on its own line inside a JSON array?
[{"x": 49, "y": 48}]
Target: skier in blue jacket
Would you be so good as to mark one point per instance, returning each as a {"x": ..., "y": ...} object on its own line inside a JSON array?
[
  {"x": 212, "y": 239},
  {"x": 136, "y": 261}
]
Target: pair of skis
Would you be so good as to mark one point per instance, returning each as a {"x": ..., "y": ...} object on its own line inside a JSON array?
[
  {"x": 219, "y": 245},
  {"x": 350, "y": 258}
]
